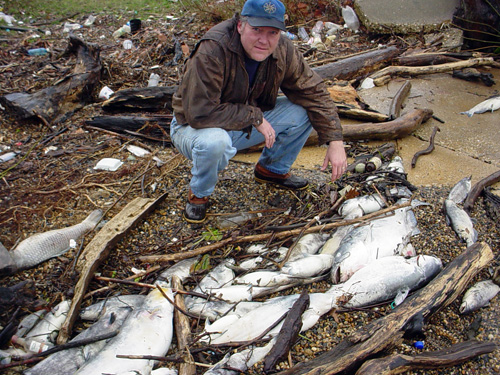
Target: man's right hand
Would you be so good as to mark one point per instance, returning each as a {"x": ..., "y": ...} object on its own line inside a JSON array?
[{"x": 268, "y": 132}]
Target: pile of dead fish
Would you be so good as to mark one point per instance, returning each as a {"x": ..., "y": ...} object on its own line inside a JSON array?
[{"x": 355, "y": 258}]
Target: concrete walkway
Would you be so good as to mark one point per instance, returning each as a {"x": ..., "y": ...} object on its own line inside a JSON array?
[{"x": 463, "y": 147}]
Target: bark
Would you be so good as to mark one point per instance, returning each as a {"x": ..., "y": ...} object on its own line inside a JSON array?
[
  {"x": 182, "y": 329},
  {"x": 288, "y": 333},
  {"x": 383, "y": 76},
  {"x": 359, "y": 65},
  {"x": 385, "y": 333},
  {"x": 57, "y": 103},
  {"x": 153, "y": 99},
  {"x": 399, "y": 363},
  {"x": 478, "y": 188},
  {"x": 390, "y": 130},
  {"x": 397, "y": 101},
  {"x": 98, "y": 250}
]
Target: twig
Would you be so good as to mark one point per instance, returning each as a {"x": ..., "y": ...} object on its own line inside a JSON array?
[
  {"x": 263, "y": 237},
  {"x": 428, "y": 150}
]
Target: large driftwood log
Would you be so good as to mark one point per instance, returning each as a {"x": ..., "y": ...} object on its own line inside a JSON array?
[
  {"x": 56, "y": 103},
  {"x": 386, "y": 332},
  {"x": 383, "y": 76},
  {"x": 98, "y": 250},
  {"x": 359, "y": 65},
  {"x": 386, "y": 131},
  {"x": 399, "y": 363}
]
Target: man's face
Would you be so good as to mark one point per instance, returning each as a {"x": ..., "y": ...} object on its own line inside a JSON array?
[{"x": 258, "y": 42}]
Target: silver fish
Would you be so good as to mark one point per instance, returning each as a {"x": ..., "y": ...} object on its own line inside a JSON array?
[
  {"x": 460, "y": 222},
  {"x": 371, "y": 285},
  {"x": 68, "y": 361},
  {"x": 43, "y": 246},
  {"x": 96, "y": 310},
  {"x": 382, "y": 279},
  {"x": 47, "y": 329},
  {"x": 490, "y": 104},
  {"x": 459, "y": 192},
  {"x": 308, "y": 266},
  {"x": 479, "y": 295},
  {"x": 362, "y": 205},
  {"x": 147, "y": 330},
  {"x": 233, "y": 364},
  {"x": 181, "y": 269}
]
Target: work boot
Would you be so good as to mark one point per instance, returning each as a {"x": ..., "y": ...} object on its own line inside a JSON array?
[
  {"x": 196, "y": 209},
  {"x": 286, "y": 181}
]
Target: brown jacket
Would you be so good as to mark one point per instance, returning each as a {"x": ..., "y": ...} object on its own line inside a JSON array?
[{"x": 215, "y": 91}]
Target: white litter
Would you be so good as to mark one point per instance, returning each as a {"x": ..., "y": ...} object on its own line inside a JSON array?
[
  {"x": 137, "y": 151},
  {"x": 108, "y": 164}
]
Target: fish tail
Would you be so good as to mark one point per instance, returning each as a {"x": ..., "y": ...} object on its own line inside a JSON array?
[
  {"x": 93, "y": 218},
  {"x": 7, "y": 263}
]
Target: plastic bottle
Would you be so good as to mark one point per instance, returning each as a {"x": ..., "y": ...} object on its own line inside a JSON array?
[
  {"x": 90, "y": 21},
  {"x": 125, "y": 29},
  {"x": 316, "y": 30},
  {"x": 71, "y": 26},
  {"x": 289, "y": 35},
  {"x": 38, "y": 51},
  {"x": 303, "y": 35},
  {"x": 31, "y": 344},
  {"x": 350, "y": 18}
]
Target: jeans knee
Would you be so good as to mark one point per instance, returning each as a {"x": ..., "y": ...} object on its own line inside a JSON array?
[{"x": 214, "y": 145}]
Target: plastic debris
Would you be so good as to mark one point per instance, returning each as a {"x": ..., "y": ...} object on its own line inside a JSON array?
[
  {"x": 350, "y": 18},
  {"x": 108, "y": 164},
  {"x": 154, "y": 79},
  {"x": 38, "y": 51},
  {"x": 71, "y": 26},
  {"x": 105, "y": 93},
  {"x": 137, "y": 151},
  {"x": 127, "y": 44},
  {"x": 7, "y": 156}
]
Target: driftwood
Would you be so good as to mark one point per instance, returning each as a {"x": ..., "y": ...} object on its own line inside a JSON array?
[
  {"x": 397, "y": 101},
  {"x": 288, "y": 333},
  {"x": 478, "y": 188},
  {"x": 182, "y": 329},
  {"x": 56, "y": 103},
  {"x": 155, "y": 98},
  {"x": 97, "y": 251},
  {"x": 387, "y": 332},
  {"x": 383, "y": 76},
  {"x": 390, "y": 130},
  {"x": 399, "y": 363},
  {"x": 428, "y": 150},
  {"x": 359, "y": 65},
  {"x": 431, "y": 58},
  {"x": 153, "y": 127}
]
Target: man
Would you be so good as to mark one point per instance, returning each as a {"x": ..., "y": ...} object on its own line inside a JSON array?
[{"x": 228, "y": 101}]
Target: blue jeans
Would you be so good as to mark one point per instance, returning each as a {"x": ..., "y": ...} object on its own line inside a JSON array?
[{"x": 211, "y": 149}]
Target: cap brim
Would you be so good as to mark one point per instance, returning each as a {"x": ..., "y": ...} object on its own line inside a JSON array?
[{"x": 268, "y": 22}]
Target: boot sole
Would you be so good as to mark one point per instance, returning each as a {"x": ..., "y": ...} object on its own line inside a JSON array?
[
  {"x": 193, "y": 221},
  {"x": 261, "y": 181}
]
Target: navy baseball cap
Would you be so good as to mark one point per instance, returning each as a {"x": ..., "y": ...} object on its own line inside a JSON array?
[{"x": 269, "y": 13}]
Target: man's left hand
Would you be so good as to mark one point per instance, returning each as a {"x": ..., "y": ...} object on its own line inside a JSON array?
[{"x": 335, "y": 155}]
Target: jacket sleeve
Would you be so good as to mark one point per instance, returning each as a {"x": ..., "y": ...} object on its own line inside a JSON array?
[
  {"x": 306, "y": 88},
  {"x": 202, "y": 92}
]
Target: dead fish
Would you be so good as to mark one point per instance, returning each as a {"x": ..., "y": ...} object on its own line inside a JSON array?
[
  {"x": 382, "y": 279},
  {"x": 460, "y": 222},
  {"x": 491, "y": 104},
  {"x": 96, "y": 310},
  {"x": 362, "y": 205},
  {"x": 308, "y": 266},
  {"x": 264, "y": 278},
  {"x": 147, "y": 330},
  {"x": 333, "y": 243},
  {"x": 68, "y": 361},
  {"x": 47, "y": 329},
  {"x": 234, "y": 364},
  {"x": 479, "y": 295},
  {"x": 43, "y": 246},
  {"x": 181, "y": 269},
  {"x": 383, "y": 237},
  {"x": 459, "y": 192}
]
